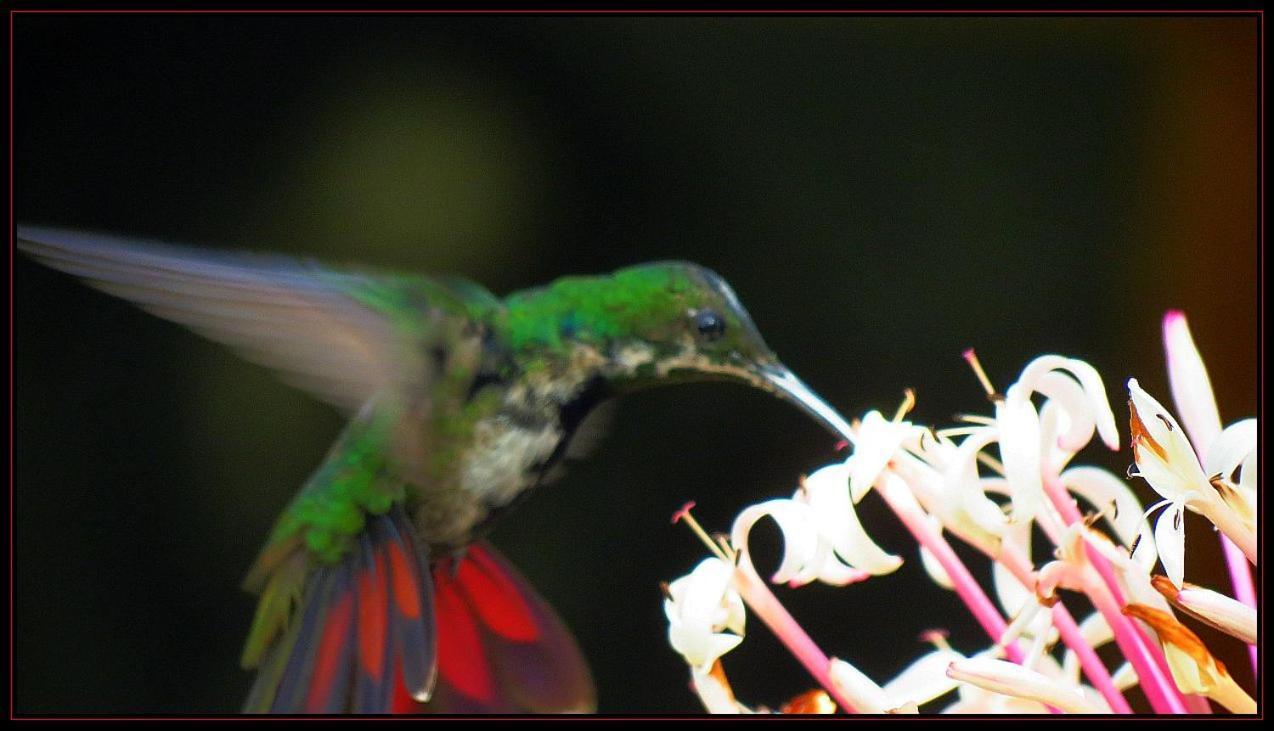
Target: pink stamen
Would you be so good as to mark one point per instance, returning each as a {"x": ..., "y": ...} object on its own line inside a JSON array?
[{"x": 683, "y": 512}]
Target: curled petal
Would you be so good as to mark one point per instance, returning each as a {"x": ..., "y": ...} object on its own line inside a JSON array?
[
  {"x": 1035, "y": 377},
  {"x": 1068, "y": 423},
  {"x": 837, "y": 522},
  {"x": 800, "y": 537},
  {"x": 714, "y": 691},
  {"x": 1235, "y": 448},
  {"x": 1231, "y": 448},
  {"x": 930, "y": 562},
  {"x": 964, "y": 502},
  {"x": 1010, "y": 593}
]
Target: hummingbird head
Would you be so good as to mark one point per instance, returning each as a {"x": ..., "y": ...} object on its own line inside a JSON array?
[{"x": 658, "y": 323}]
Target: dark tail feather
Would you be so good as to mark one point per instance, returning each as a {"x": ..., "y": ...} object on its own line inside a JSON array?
[{"x": 357, "y": 621}]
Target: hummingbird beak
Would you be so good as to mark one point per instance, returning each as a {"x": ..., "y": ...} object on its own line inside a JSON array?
[{"x": 784, "y": 384}]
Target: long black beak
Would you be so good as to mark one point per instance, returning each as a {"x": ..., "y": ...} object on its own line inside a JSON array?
[{"x": 784, "y": 384}]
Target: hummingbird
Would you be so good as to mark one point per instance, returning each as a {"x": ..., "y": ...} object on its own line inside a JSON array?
[{"x": 378, "y": 591}]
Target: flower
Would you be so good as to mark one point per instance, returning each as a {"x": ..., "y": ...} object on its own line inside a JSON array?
[
  {"x": 700, "y": 607},
  {"x": 999, "y": 485},
  {"x": 822, "y": 537},
  {"x": 1166, "y": 460}
]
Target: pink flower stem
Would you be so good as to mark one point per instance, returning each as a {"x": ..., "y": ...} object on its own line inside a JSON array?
[
  {"x": 767, "y": 606},
  {"x": 1089, "y": 662},
  {"x": 966, "y": 587},
  {"x": 1241, "y": 580},
  {"x": 1092, "y": 665},
  {"x": 904, "y": 505},
  {"x": 1151, "y": 667}
]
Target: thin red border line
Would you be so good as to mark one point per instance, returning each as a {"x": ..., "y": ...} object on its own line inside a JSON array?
[
  {"x": 632, "y": 11},
  {"x": 12, "y": 479}
]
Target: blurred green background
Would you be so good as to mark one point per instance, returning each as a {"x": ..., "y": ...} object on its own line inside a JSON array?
[{"x": 882, "y": 192}]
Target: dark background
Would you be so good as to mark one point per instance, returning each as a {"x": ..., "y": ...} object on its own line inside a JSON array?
[{"x": 882, "y": 192}]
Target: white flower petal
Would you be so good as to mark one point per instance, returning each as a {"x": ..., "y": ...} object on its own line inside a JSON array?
[
  {"x": 1170, "y": 539},
  {"x": 1228, "y": 615},
  {"x": 1231, "y": 448},
  {"x": 1019, "y": 429},
  {"x": 699, "y": 606},
  {"x": 716, "y": 696},
  {"x": 699, "y": 648},
  {"x": 1035, "y": 378},
  {"x": 1165, "y": 441},
  {"x": 923, "y": 680},
  {"x": 878, "y": 440},
  {"x": 999, "y": 676},
  {"x": 1109, "y": 494},
  {"x": 865, "y": 695},
  {"x": 1009, "y": 592},
  {"x": 1067, "y": 422},
  {"x": 800, "y": 536}
]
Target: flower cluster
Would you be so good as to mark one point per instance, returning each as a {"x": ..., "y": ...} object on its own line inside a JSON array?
[{"x": 996, "y": 483}]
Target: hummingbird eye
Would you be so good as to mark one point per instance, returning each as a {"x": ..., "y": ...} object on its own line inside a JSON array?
[{"x": 709, "y": 324}]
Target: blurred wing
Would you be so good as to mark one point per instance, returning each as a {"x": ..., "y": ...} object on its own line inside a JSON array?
[
  {"x": 296, "y": 317},
  {"x": 501, "y": 648}
]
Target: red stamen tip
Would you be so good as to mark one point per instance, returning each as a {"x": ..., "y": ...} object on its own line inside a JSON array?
[
  {"x": 930, "y": 635},
  {"x": 968, "y": 354},
  {"x": 683, "y": 512}
]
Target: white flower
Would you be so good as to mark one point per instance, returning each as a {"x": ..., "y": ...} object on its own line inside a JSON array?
[
  {"x": 877, "y": 440},
  {"x": 822, "y": 537},
  {"x": 700, "y": 607},
  {"x": 1167, "y": 461},
  {"x": 1076, "y": 407}
]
